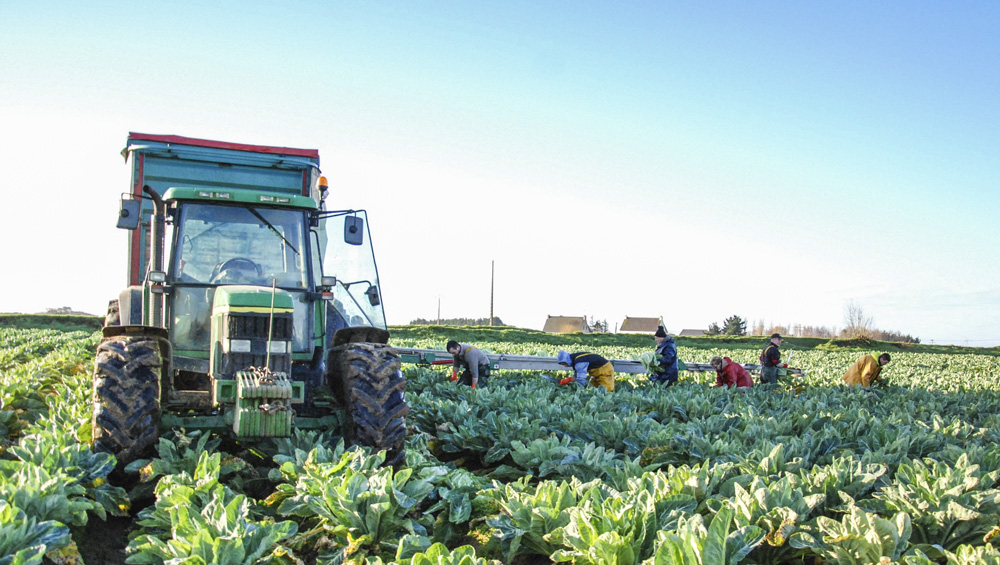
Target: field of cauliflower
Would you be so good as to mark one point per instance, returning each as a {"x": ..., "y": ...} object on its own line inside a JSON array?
[{"x": 525, "y": 471}]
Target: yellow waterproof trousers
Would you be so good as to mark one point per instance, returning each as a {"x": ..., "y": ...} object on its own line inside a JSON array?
[{"x": 603, "y": 376}]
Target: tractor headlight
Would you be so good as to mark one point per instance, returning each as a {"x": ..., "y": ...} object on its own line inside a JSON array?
[
  {"x": 239, "y": 346},
  {"x": 279, "y": 347}
]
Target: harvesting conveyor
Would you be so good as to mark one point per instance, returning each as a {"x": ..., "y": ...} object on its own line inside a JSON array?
[{"x": 429, "y": 357}]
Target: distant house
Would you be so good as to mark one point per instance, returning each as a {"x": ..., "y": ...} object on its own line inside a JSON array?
[
  {"x": 632, "y": 325},
  {"x": 566, "y": 325},
  {"x": 692, "y": 333}
]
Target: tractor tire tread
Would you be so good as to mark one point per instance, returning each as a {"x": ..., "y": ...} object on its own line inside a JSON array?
[
  {"x": 126, "y": 416},
  {"x": 375, "y": 406}
]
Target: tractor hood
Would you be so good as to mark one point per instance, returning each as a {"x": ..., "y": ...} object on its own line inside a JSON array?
[
  {"x": 247, "y": 332},
  {"x": 246, "y": 298}
]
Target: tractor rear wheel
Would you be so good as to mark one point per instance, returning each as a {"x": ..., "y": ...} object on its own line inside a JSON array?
[
  {"x": 371, "y": 388},
  {"x": 126, "y": 418}
]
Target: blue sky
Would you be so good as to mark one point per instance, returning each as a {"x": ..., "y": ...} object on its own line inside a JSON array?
[{"x": 774, "y": 160}]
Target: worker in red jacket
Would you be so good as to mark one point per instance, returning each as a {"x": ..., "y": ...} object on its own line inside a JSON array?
[{"x": 729, "y": 374}]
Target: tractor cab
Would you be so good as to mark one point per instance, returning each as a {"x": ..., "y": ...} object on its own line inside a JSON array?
[
  {"x": 217, "y": 245},
  {"x": 246, "y": 261}
]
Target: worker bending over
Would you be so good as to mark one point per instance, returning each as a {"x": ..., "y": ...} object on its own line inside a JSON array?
[
  {"x": 476, "y": 364},
  {"x": 729, "y": 374},
  {"x": 590, "y": 368},
  {"x": 866, "y": 370}
]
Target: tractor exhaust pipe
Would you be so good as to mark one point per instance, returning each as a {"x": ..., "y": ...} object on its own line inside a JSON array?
[{"x": 157, "y": 231}]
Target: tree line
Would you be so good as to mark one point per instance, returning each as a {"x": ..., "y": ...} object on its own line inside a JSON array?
[{"x": 856, "y": 324}]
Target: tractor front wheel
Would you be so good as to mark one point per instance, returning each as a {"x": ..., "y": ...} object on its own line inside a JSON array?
[
  {"x": 371, "y": 388},
  {"x": 127, "y": 371}
]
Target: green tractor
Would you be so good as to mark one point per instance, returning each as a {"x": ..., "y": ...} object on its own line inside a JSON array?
[{"x": 241, "y": 316}]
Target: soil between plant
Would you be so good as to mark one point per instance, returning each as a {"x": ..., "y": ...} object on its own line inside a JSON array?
[{"x": 103, "y": 542}]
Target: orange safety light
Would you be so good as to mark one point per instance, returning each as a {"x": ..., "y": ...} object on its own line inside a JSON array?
[{"x": 324, "y": 187}]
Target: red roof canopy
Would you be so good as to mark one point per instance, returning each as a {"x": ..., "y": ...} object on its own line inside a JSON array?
[{"x": 312, "y": 153}]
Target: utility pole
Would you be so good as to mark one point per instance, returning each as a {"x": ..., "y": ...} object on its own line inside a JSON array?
[
  {"x": 439, "y": 310},
  {"x": 491, "y": 291}
]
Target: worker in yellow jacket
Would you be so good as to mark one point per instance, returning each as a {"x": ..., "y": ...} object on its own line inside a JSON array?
[{"x": 866, "y": 370}]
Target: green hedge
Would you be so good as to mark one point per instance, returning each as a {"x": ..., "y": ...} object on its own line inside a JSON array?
[
  {"x": 518, "y": 335},
  {"x": 51, "y": 321}
]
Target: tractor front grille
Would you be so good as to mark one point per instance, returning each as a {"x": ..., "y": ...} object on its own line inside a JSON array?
[{"x": 253, "y": 327}]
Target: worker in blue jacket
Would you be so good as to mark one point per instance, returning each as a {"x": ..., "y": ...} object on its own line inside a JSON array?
[{"x": 666, "y": 358}]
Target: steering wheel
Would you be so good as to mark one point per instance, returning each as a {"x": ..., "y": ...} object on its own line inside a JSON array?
[{"x": 235, "y": 270}]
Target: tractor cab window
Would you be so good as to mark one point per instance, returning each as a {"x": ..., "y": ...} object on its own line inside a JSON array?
[{"x": 236, "y": 245}]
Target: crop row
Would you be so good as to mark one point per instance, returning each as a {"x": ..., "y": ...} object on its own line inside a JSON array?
[{"x": 526, "y": 471}]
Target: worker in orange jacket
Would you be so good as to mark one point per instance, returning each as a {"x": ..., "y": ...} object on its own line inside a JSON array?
[{"x": 866, "y": 370}]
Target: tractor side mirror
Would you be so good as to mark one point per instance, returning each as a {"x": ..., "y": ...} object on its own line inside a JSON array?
[
  {"x": 354, "y": 230},
  {"x": 128, "y": 215},
  {"x": 373, "y": 296}
]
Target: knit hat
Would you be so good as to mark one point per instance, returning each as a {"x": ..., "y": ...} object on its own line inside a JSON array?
[{"x": 660, "y": 332}]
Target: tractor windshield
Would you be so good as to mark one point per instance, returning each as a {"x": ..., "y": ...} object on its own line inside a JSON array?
[
  {"x": 234, "y": 245},
  {"x": 217, "y": 245}
]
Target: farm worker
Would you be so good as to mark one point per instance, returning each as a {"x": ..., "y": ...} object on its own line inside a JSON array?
[
  {"x": 770, "y": 360},
  {"x": 475, "y": 362},
  {"x": 866, "y": 370},
  {"x": 589, "y": 367},
  {"x": 666, "y": 358},
  {"x": 729, "y": 374}
]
